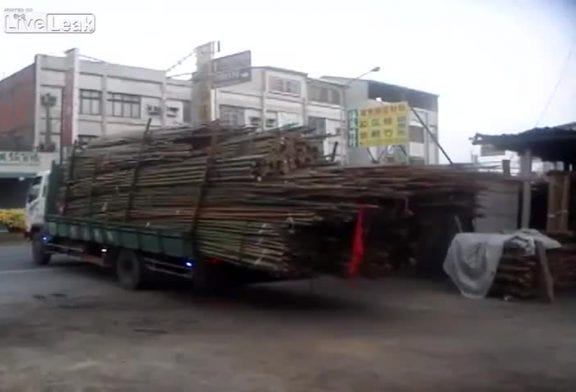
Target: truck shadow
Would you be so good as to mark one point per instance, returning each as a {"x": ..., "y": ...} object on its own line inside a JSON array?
[{"x": 320, "y": 294}]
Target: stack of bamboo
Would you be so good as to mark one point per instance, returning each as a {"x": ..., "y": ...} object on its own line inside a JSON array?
[
  {"x": 522, "y": 276},
  {"x": 518, "y": 275},
  {"x": 563, "y": 266},
  {"x": 266, "y": 200}
]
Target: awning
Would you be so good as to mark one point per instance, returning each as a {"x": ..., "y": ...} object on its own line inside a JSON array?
[{"x": 552, "y": 144}]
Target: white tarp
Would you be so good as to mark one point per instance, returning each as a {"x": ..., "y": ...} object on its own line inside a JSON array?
[{"x": 473, "y": 258}]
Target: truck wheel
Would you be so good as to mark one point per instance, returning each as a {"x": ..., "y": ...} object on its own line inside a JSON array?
[
  {"x": 130, "y": 270},
  {"x": 39, "y": 254}
]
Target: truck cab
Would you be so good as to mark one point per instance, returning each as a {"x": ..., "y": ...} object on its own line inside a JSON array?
[{"x": 36, "y": 203}]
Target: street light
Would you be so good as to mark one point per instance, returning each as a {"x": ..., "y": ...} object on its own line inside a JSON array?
[{"x": 375, "y": 69}]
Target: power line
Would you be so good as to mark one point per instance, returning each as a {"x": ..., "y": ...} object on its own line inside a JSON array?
[
  {"x": 181, "y": 61},
  {"x": 560, "y": 79},
  {"x": 92, "y": 58}
]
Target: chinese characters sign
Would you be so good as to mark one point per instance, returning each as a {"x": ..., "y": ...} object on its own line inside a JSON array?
[
  {"x": 385, "y": 124},
  {"x": 18, "y": 158},
  {"x": 353, "y": 128}
]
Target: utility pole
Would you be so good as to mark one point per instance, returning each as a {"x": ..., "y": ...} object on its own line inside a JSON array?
[
  {"x": 201, "y": 94},
  {"x": 48, "y": 101},
  {"x": 349, "y": 150}
]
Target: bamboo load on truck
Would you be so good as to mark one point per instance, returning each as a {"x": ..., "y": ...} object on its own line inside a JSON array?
[{"x": 216, "y": 204}]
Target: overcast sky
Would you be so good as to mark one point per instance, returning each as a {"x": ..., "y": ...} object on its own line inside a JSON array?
[{"x": 494, "y": 63}]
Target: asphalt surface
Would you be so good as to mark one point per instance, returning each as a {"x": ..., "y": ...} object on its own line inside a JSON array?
[{"x": 69, "y": 327}]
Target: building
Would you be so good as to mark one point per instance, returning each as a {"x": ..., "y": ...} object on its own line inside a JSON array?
[
  {"x": 277, "y": 97},
  {"x": 554, "y": 147},
  {"x": 110, "y": 99},
  {"x": 421, "y": 148},
  {"x": 56, "y": 100},
  {"x": 497, "y": 151}
]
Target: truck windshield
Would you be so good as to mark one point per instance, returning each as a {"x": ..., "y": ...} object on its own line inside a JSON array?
[{"x": 34, "y": 190}]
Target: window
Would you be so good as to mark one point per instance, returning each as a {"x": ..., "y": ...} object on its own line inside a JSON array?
[
  {"x": 289, "y": 119},
  {"x": 270, "y": 122},
  {"x": 286, "y": 86},
  {"x": 85, "y": 139},
  {"x": 34, "y": 190},
  {"x": 232, "y": 116},
  {"x": 416, "y": 134},
  {"x": 488, "y": 150},
  {"x": 423, "y": 116},
  {"x": 417, "y": 161},
  {"x": 318, "y": 123},
  {"x": 324, "y": 94},
  {"x": 255, "y": 121},
  {"x": 125, "y": 105},
  {"x": 90, "y": 102},
  {"x": 172, "y": 111}
]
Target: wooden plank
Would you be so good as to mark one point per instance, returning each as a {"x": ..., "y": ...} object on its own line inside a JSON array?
[
  {"x": 551, "y": 204},
  {"x": 546, "y": 277},
  {"x": 526, "y": 173},
  {"x": 564, "y": 203}
]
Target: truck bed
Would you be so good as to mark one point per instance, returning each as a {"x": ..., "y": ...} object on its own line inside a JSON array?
[{"x": 165, "y": 242}]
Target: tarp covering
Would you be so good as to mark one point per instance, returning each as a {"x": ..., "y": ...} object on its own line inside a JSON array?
[{"x": 473, "y": 258}]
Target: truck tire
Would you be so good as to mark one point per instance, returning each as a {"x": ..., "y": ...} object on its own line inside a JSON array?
[
  {"x": 39, "y": 254},
  {"x": 131, "y": 271}
]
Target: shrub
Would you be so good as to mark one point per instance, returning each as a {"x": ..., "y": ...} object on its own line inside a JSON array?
[{"x": 13, "y": 219}]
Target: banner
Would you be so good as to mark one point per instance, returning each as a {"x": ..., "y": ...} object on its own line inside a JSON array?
[
  {"x": 353, "y": 128},
  {"x": 385, "y": 124}
]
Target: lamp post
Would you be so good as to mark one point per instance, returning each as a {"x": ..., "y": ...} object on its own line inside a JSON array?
[{"x": 375, "y": 69}]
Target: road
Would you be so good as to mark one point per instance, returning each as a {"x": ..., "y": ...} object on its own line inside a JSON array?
[{"x": 68, "y": 327}]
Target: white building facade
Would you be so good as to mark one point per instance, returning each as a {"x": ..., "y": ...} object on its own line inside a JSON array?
[
  {"x": 278, "y": 97},
  {"x": 111, "y": 99}
]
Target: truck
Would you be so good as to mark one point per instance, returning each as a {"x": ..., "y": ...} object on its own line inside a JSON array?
[{"x": 139, "y": 255}]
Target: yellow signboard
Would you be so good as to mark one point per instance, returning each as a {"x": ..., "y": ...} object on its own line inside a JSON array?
[{"x": 384, "y": 124}]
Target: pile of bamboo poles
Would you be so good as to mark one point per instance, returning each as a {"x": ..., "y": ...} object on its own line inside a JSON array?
[
  {"x": 521, "y": 276},
  {"x": 265, "y": 200},
  {"x": 518, "y": 275}
]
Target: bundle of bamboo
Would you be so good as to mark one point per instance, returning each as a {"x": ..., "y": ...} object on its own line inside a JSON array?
[
  {"x": 524, "y": 276},
  {"x": 266, "y": 200},
  {"x": 518, "y": 276}
]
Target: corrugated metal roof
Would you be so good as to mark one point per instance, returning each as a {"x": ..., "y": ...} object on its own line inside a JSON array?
[{"x": 548, "y": 143}]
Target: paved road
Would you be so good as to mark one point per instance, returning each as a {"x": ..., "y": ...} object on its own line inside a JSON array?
[
  {"x": 70, "y": 328},
  {"x": 15, "y": 256}
]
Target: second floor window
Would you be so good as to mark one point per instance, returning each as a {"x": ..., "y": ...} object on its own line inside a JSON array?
[
  {"x": 124, "y": 105},
  {"x": 283, "y": 85},
  {"x": 416, "y": 134},
  {"x": 324, "y": 94},
  {"x": 318, "y": 123},
  {"x": 232, "y": 116},
  {"x": 90, "y": 102}
]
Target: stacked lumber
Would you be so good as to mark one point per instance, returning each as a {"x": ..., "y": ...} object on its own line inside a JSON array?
[
  {"x": 521, "y": 276},
  {"x": 563, "y": 266},
  {"x": 518, "y": 275},
  {"x": 265, "y": 200}
]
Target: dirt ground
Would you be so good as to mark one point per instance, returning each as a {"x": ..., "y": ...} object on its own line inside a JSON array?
[{"x": 70, "y": 328}]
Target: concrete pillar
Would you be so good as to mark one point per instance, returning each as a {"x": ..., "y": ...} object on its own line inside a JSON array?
[
  {"x": 104, "y": 103},
  {"x": 38, "y": 75},
  {"x": 264, "y": 88},
  {"x": 201, "y": 96},
  {"x": 526, "y": 175}
]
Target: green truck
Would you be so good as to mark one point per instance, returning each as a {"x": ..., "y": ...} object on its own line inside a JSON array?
[{"x": 138, "y": 254}]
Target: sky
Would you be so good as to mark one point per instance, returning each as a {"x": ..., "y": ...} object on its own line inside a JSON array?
[{"x": 498, "y": 66}]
